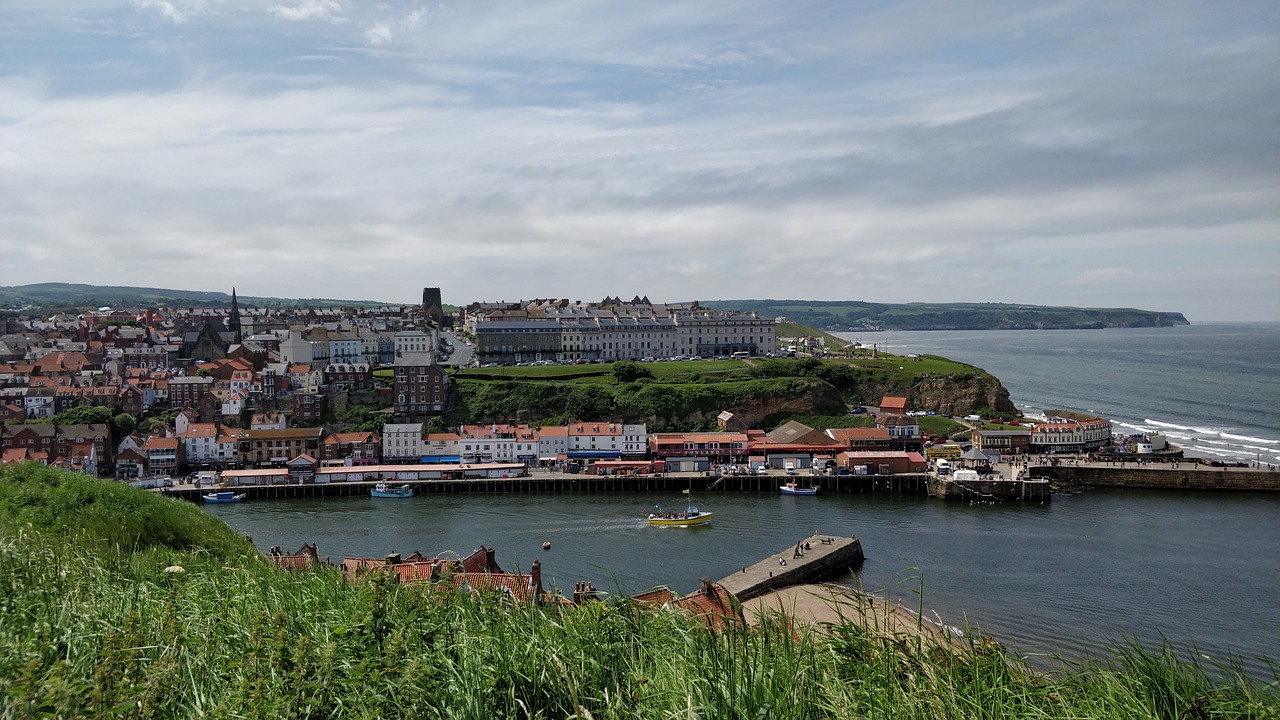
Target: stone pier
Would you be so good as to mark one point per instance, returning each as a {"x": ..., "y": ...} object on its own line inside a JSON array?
[{"x": 825, "y": 557}]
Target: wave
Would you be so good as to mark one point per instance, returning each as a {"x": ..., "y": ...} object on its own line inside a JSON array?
[{"x": 1211, "y": 431}]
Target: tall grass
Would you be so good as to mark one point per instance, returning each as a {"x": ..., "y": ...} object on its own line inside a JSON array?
[{"x": 107, "y": 629}]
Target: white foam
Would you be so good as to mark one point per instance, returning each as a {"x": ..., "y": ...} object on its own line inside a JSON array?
[{"x": 1215, "y": 432}]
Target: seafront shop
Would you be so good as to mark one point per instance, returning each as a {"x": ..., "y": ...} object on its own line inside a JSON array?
[{"x": 304, "y": 471}]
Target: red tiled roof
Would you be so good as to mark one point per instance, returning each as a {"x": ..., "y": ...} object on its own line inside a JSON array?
[{"x": 893, "y": 402}]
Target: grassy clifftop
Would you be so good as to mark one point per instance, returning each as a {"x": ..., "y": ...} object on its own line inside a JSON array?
[
  {"x": 95, "y": 622},
  {"x": 688, "y": 395}
]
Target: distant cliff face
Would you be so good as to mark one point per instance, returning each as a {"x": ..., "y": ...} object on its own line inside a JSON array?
[{"x": 959, "y": 396}]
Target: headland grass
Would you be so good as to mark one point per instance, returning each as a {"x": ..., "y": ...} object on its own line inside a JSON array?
[{"x": 102, "y": 624}]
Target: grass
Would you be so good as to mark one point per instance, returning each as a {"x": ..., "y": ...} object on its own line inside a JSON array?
[
  {"x": 93, "y": 627},
  {"x": 939, "y": 425},
  {"x": 603, "y": 372},
  {"x": 796, "y": 330}
]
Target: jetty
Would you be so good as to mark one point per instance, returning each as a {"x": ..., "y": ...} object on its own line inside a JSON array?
[{"x": 813, "y": 559}]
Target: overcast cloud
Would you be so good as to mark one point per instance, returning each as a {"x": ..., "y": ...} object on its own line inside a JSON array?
[{"x": 1078, "y": 153}]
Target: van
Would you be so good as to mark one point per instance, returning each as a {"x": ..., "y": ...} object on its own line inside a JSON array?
[
  {"x": 944, "y": 467},
  {"x": 741, "y": 355}
]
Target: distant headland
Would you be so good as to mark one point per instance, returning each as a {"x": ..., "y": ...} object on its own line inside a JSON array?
[{"x": 860, "y": 316}]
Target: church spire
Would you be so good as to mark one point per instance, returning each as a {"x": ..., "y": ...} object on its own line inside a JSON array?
[{"x": 233, "y": 321}]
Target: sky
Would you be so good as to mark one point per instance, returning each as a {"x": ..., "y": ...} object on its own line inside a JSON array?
[{"x": 1097, "y": 154}]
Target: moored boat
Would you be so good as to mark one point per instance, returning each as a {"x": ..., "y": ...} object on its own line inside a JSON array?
[
  {"x": 794, "y": 489},
  {"x": 383, "y": 490},
  {"x": 224, "y": 496}
]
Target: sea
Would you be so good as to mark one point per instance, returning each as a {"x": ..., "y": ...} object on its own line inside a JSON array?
[
  {"x": 1056, "y": 582},
  {"x": 1212, "y": 388}
]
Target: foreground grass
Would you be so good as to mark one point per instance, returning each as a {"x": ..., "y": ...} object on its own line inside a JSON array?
[{"x": 92, "y": 628}]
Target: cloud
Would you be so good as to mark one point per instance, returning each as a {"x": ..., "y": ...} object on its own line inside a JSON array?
[
  {"x": 378, "y": 33},
  {"x": 176, "y": 12},
  {"x": 329, "y": 10},
  {"x": 686, "y": 150}
]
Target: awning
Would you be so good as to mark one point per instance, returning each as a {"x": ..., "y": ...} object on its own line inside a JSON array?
[
  {"x": 595, "y": 453},
  {"x": 450, "y": 459}
]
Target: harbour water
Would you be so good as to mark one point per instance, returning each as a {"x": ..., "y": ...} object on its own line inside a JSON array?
[
  {"x": 1066, "y": 578},
  {"x": 1063, "y": 577}
]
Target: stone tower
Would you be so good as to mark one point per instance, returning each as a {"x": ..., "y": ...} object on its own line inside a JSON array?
[
  {"x": 233, "y": 317},
  {"x": 433, "y": 306}
]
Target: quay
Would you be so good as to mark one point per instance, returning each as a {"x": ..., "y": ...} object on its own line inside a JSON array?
[
  {"x": 1032, "y": 480},
  {"x": 814, "y": 559}
]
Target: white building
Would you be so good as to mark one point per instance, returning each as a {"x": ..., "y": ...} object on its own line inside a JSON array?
[{"x": 402, "y": 441}]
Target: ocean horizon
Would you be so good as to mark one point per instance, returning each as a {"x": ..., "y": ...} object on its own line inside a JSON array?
[{"x": 1211, "y": 388}]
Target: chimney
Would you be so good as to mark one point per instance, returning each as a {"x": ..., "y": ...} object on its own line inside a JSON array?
[{"x": 535, "y": 578}]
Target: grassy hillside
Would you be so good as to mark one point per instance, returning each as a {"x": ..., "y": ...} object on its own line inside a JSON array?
[
  {"x": 93, "y": 627},
  {"x": 78, "y": 295},
  {"x": 688, "y": 395},
  {"x": 853, "y": 315}
]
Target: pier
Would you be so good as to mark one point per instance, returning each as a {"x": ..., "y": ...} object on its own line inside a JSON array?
[
  {"x": 1037, "y": 485},
  {"x": 813, "y": 559}
]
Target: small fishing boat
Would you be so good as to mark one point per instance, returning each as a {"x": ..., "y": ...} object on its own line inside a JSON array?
[
  {"x": 224, "y": 496},
  {"x": 794, "y": 489},
  {"x": 685, "y": 518},
  {"x": 383, "y": 490}
]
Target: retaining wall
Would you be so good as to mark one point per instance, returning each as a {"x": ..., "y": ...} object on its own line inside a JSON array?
[{"x": 1224, "y": 479}]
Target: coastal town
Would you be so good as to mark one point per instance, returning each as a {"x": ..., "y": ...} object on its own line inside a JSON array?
[{"x": 231, "y": 396}]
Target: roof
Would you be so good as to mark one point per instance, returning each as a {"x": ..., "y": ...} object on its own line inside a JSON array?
[
  {"x": 699, "y": 437},
  {"x": 796, "y": 432},
  {"x": 847, "y": 435},
  {"x": 282, "y": 434},
  {"x": 595, "y": 428},
  {"x": 893, "y": 402}
]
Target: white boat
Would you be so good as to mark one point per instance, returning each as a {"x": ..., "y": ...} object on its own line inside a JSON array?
[
  {"x": 383, "y": 490},
  {"x": 224, "y": 496},
  {"x": 795, "y": 489}
]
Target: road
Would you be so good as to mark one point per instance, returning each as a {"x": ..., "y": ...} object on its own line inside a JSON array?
[{"x": 462, "y": 352}]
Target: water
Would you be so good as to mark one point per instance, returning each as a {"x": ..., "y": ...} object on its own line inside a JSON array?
[
  {"x": 1063, "y": 577},
  {"x": 1213, "y": 388},
  {"x": 1067, "y": 577}
]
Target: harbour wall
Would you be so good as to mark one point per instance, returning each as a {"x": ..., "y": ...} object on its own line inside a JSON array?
[
  {"x": 545, "y": 482},
  {"x": 1144, "y": 477},
  {"x": 991, "y": 487},
  {"x": 1162, "y": 478},
  {"x": 825, "y": 558}
]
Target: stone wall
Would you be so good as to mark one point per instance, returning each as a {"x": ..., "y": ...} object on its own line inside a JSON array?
[{"x": 1163, "y": 478}]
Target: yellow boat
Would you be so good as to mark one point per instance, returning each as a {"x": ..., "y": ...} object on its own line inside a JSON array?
[{"x": 684, "y": 518}]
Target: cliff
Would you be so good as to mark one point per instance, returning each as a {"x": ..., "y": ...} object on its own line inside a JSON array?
[{"x": 959, "y": 395}]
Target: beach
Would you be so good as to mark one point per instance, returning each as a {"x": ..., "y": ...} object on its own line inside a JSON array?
[{"x": 821, "y": 603}]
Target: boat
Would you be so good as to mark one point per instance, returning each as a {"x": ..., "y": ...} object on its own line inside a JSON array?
[
  {"x": 794, "y": 489},
  {"x": 224, "y": 496},
  {"x": 685, "y": 518},
  {"x": 383, "y": 490},
  {"x": 688, "y": 517}
]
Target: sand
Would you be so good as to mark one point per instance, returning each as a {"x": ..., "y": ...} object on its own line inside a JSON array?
[{"x": 820, "y": 603}]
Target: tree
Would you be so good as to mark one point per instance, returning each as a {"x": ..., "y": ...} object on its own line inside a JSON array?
[
  {"x": 84, "y": 415},
  {"x": 124, "y": 424},
  {"x": 629, "y": 371}
]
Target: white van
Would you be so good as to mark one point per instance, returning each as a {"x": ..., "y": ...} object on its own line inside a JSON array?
[
  {"x": 943, "y": 466},
  {"x": 741, "y": 355}
]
